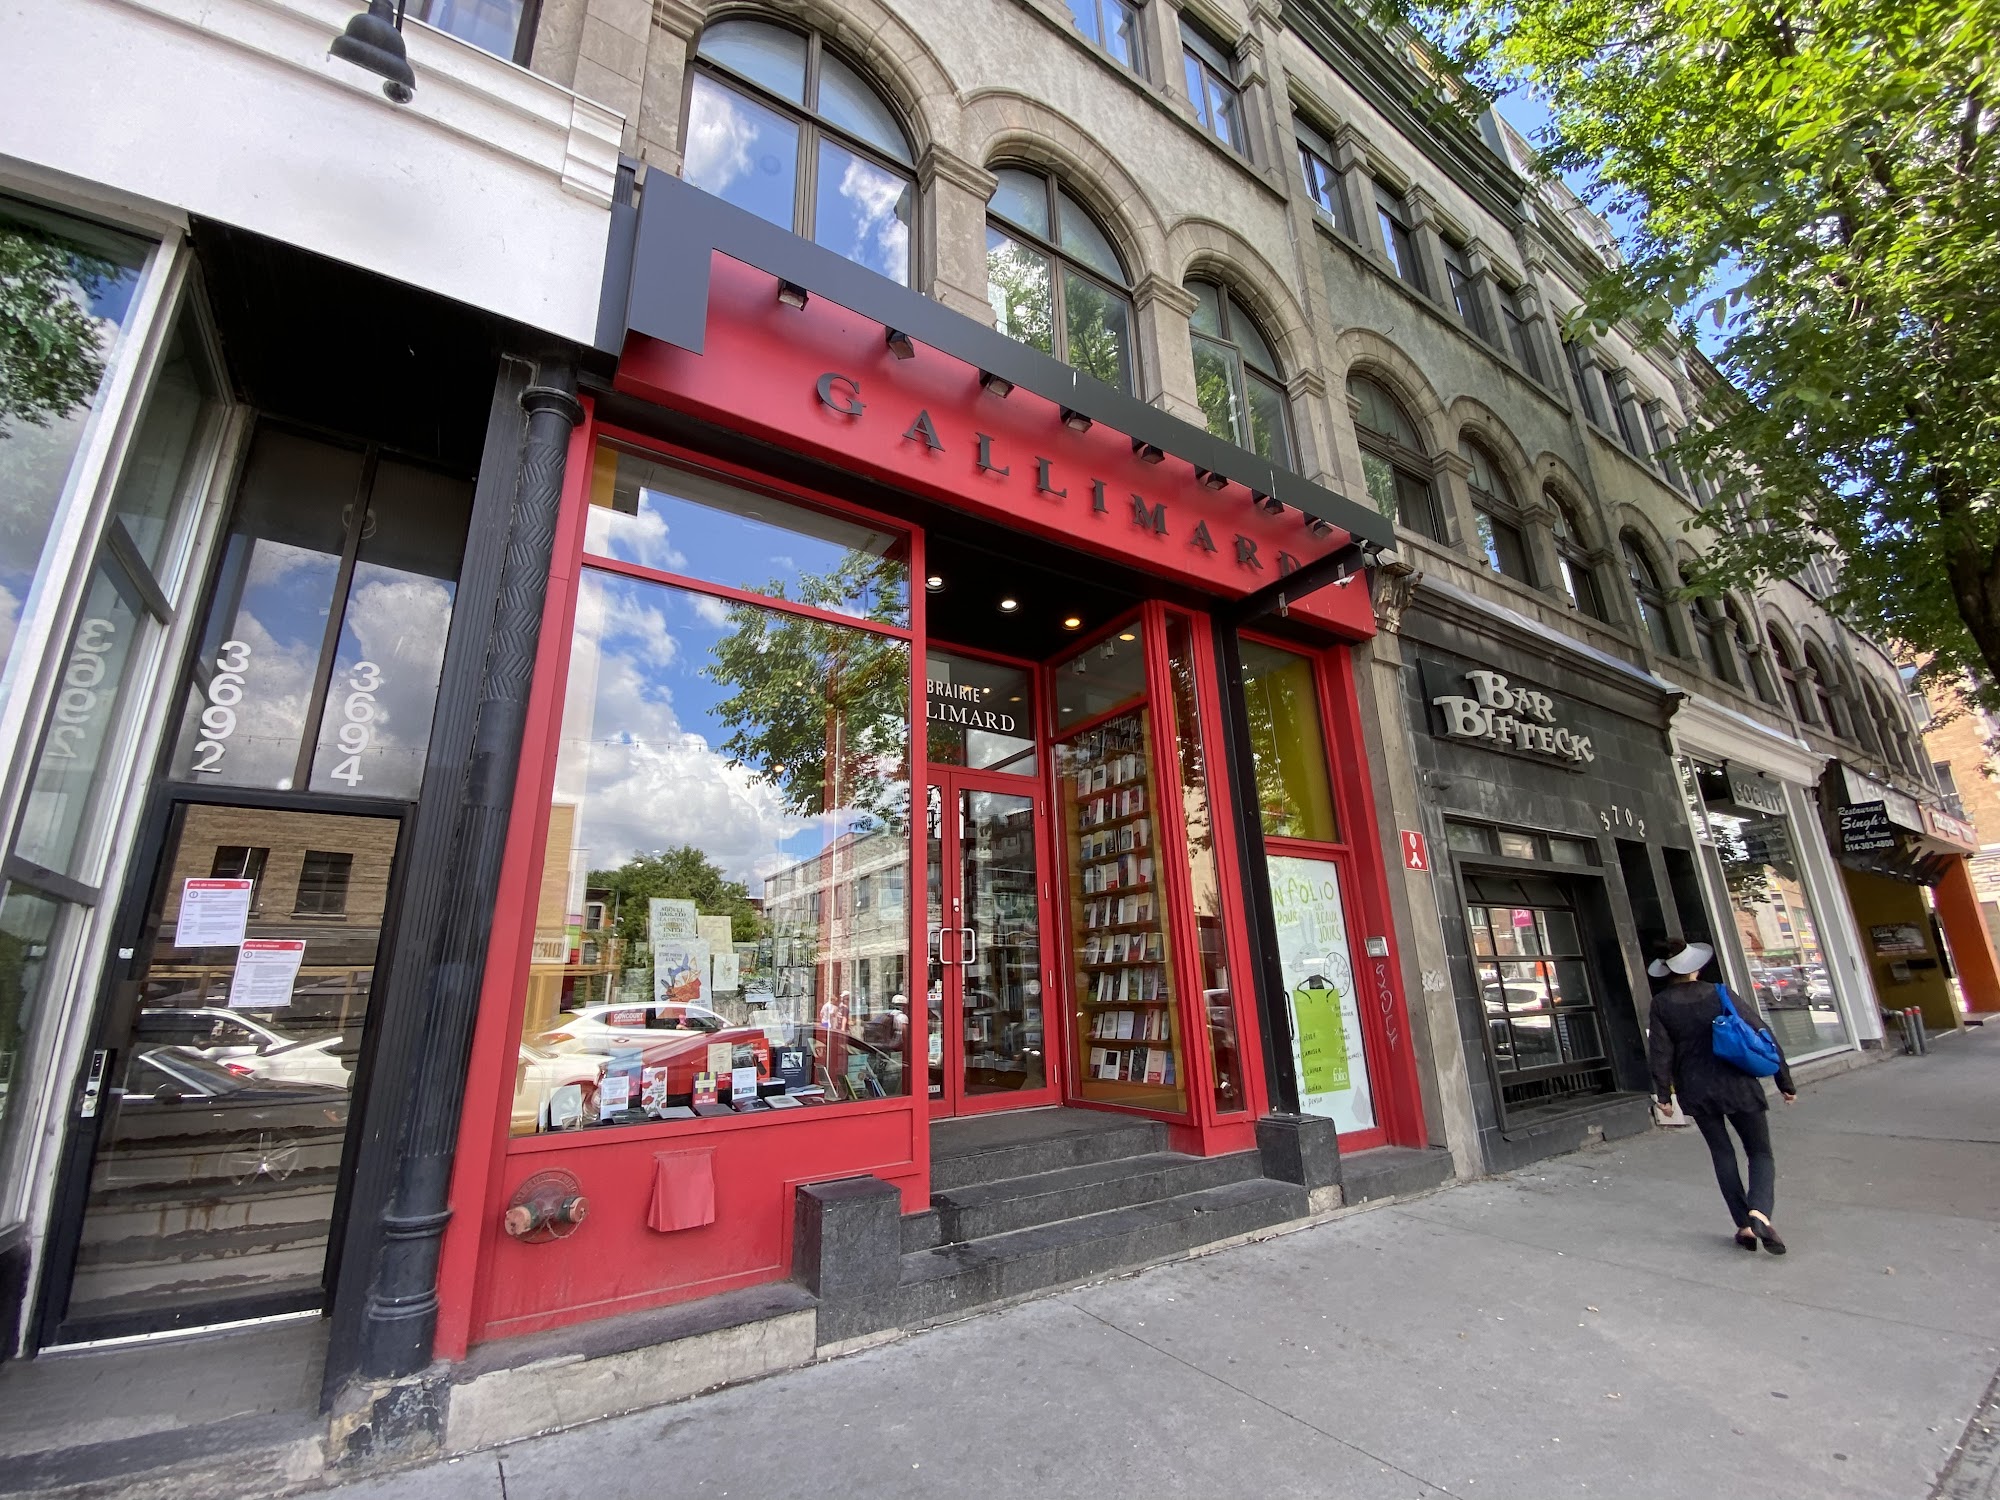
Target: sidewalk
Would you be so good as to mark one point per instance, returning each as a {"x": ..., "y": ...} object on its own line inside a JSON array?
[{"x": 1584, "y": 1328}]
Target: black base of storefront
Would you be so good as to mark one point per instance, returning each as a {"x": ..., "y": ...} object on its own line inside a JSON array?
[{"x": 1610, "y": 1117}]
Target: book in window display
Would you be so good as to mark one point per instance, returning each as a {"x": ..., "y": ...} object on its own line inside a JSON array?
[{"x": 1126, "y": 999}]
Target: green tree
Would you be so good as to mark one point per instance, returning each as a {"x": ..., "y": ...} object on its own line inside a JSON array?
[
  {"x": 1836, "y": 161},
  {"x": 51, "y": 354},
  {"x": 683, "y": 873},
  {"x": 821, "y": 710}
]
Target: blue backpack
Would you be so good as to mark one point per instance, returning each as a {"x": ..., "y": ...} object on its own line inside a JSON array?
[{"x": 1742, "y": 1045}]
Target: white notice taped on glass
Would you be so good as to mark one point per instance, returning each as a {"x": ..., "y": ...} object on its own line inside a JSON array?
[
  {"x": 266, "y": 970},
  {"x": 214, "y": 913}
]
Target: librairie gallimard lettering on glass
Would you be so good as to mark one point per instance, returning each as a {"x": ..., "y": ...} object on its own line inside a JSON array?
[{"x": 1494, "y": 712}]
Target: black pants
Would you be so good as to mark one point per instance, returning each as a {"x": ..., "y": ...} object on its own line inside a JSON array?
[{"x": 1754, "y": 1127}]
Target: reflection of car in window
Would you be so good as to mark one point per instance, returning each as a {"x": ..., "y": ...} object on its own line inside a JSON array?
[{"x": 246, "y": 1045}]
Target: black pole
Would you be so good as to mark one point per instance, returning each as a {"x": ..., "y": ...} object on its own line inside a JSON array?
[
  {"x": 451, "y": 916},
  {"x": 1267, "y": 975}
]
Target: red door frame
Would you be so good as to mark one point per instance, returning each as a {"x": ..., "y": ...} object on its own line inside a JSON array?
[
  {"x": 950, "y": 780},
  {"x": 1357, "y": 858}
]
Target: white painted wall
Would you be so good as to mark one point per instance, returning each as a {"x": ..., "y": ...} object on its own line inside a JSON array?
[{"x": 492, "y": 187}]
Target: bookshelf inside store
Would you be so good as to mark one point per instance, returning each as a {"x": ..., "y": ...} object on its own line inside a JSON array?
[{"x": 1128, "y": 1035}]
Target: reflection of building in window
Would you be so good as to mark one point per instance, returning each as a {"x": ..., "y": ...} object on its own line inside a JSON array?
[
  {"x": 323, "y": 881},
  {"x": 242, "y": 862},
  {"x": 840, "y": 932}
]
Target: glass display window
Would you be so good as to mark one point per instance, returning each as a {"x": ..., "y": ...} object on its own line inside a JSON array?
[
  {"x": 722, "y": 920},
  {"x": 1544, "y": 1030}
]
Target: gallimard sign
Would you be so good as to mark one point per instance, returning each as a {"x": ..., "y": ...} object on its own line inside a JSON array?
[
  {"x": 1491, "y": 711},
  {"x": 958, "y": 703}
]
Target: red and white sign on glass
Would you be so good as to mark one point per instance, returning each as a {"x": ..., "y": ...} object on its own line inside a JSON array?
[{"x": 1416, "y": 853}]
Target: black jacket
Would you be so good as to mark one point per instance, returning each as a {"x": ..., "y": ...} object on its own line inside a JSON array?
[{"x": 1684, "y": 1062}]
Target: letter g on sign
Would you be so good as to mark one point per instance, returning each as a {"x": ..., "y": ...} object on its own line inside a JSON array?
[{"x": 842, "y": 393}]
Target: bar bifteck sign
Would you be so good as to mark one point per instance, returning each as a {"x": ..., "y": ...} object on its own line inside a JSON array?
[{"x": 1483, "y": 707}]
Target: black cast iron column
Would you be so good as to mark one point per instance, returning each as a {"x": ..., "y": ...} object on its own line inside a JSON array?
[{"x": 450, "y": 919}]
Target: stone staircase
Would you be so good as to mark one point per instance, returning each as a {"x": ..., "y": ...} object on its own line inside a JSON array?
[{"x": 1024, "y": 1202}]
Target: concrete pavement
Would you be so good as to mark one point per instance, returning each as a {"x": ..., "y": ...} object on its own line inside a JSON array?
[{"x": 1583, "y": 1328}]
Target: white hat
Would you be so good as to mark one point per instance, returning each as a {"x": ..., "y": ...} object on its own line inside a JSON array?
[
  {"x": 1658, "y": 968},
  {"x": 1691, "y": 960}
]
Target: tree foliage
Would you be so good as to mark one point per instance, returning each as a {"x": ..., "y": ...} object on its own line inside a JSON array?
[
  {"x": 822, "y": 710},
  {"x": 1839, "y": 157},
  {"x": 51, "y": 355},
  {"x": 684, "y": 873}
]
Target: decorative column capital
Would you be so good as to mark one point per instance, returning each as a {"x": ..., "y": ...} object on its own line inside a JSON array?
[
  {"x": 1153, "y": 287},
  {"x": 938, "y": 164}
]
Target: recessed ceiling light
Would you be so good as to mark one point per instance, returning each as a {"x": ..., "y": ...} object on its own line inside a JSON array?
[
  {"x": 1126, "y": 635},
  {"x": 1015, "y": 699},
  {"x": 1072, "y": 622},
  {"x": 934, "y": 583},
  {"x": 1008, "y": 606}
]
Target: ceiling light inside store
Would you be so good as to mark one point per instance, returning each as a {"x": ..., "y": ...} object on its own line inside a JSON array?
[
  {"x": 934, "y": 583},
  {"x": 1008, "y": 606},
  {"x": 1072, "y": 622},
  {"x": 1126, "y": 635}
]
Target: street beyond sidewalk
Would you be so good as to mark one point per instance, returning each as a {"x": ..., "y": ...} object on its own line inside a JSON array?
[{"x": 1581, "y": 1328}]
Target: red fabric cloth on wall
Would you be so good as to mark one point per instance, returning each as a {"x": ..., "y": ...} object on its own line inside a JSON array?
[{"x": 683, "y": 1190}]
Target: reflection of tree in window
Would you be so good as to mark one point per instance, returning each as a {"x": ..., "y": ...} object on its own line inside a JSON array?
[
  {"x": 820, "y": 710},
  {"x": 1392, "y": 459},
  {"x": 1054, "y": 279},
  {"x": 682, "y": 873},
  {"x": 1236, "y": 375}
]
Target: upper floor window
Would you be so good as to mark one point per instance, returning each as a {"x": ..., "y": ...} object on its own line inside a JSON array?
[
  {"x": 1661, "y": 434},
  {"x": 1211, "y": 86},
  {"x": 1392, "y": 459},
  {"x": 1054, "y": 278},
  {"x": 1323, "y": 184},
  {"x": 1520, "y": 333},
  {"x": 1394, "y": 216},
  {"x": 1825, "y": 688},
  {"x": 1717, "y": 639},
  {"x": 490, "y": 25},
  {"x": 1579, "y": 574},
  {"x": 1585, "y": 382},
  {"x": 1746, "y": 642},
  {"x": 1620, "y": 416},
  {"x": 1113, "y": 25},
  {"x": 1497, "y": 514},
  {"x": 1464, "y": 289},
  {"x": 1236, "y": 375},
  {"x": 1650, "y": 596},
  {"x": 781, "y": 126},
  {"x": 1790, "y": 676}
]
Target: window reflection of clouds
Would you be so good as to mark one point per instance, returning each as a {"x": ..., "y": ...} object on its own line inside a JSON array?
[
  {"x": 398, "y": 621},
  {"x": 861, "y": 213},
  {"x": 282, "y": 619},
  {"x": 741, "y": 152}
]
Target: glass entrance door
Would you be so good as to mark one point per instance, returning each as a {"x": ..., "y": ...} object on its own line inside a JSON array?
[
  {"x": 225, "y": 1074},
  {"x": 989, "y": 979}
]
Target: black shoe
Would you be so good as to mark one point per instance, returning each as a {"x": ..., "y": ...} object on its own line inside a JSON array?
[
  {"x": 1761, "y": 1227},
  {"x": 1746, "y": 1239}
]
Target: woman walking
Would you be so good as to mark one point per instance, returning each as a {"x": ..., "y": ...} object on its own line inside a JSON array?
[{"x": 1715, "y": 1094}]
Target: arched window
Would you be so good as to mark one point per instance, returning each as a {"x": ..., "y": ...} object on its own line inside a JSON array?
[
  {"x": 1861, "y": 709},
  {"x": 1392, "y": 459},
  {"x": 780, "y": 125},
  {"x": 1236, "y": 375},
  {"x": 1579, "y": 576},
  {"x": 1497, "y": 514},
  {"x": 1790, "y": 675},
  {"x": 1718, "y": 640},
  {"x": 1823, "y": 685},
  {"x": 1054, "y": 278},
  {"x": 1746, "y": 643},
  {"x": 1654, "y": 610}
]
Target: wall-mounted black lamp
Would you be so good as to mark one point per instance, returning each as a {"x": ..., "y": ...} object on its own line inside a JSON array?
[
  {"x": 1209, "y": 479},
  {"x": 1319, "y": 527},
  {"x": 995, "y": 385},
  {"x": 792, "y": 294},
  {"x": 899, "y": 343},
  {"x": 1075, "y": 420},
  {"x": 1150, "y": 453},
  {"x": 373, "y": 41},
  {"x": 1270, "y": 505}
]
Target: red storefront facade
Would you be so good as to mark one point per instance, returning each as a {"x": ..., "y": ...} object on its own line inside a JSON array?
[{"x": 1044, "y": 888}]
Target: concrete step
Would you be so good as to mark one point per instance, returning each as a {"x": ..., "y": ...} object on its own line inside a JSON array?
[
  {"x": 955, "y": 1279},
  {"x": 986, "y": 1149},
  {"x": 1011, "y": 1203},
  {"x": 922, "y": 1230},
  {"x": 1392, "y": 1172}
]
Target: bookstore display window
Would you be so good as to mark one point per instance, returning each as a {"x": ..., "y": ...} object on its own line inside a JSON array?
[
  {"x": 722, "y": 919},
  {"x": 1128, "y": 1028},
  {"x": 1306, "y": 857}
]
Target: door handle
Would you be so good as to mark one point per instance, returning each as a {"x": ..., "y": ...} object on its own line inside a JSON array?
[{"x": 969, "y": 949}]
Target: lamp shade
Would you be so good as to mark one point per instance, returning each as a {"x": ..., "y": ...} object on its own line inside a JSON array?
[{"x": 373, "y": 42}]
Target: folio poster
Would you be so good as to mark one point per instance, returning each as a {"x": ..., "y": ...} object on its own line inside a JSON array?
[
  {"x": 1319, "y": 989},
  {"x": 680, "y": 957}
]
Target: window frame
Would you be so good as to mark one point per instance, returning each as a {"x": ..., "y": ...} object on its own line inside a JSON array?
[
  {"x": 1060, "y": 262},
  {"x": 1649, "y": 595},
  {"x": 1241, "y": 369},
  {"x": 1790, "y": 687},
  {"x": 1521, "y": 334},
  {"x": 1399, "y": 238},
  {"x": 1713, "y": 634},
  {"x": 1497, "y": 507},
  {"x": 1315, "y": 153},
  {"x": 521, "y": 54},
  {"x": 1203, "y": 60},
  {"x": 1464, "y": 289},
  {"x": 1097, "y": 8},
  {"x": 811, "y": 127},
  {"x": 1574, "y": 558},
  {"x": 1405, "y": 463},
  {"x": 1586, "y": 389}
]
